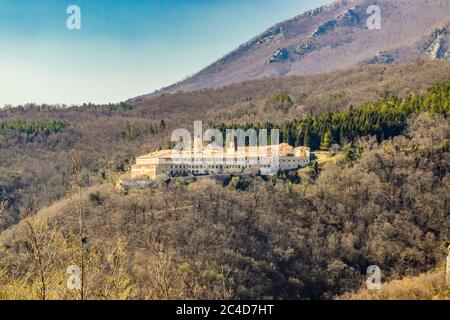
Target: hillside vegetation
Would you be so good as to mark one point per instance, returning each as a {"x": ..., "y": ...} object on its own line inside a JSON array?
[
  {"x": 383, "y": 120},
  {"x": 427, "y": 286}
]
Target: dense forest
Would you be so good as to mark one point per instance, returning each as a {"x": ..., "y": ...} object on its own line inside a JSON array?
[{"x": 384, "y": 119}]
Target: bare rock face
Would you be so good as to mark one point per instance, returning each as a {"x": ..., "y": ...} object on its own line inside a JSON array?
[
  {"x": 267, "y": 37},
  {"x": 324, "y": 28},
  {"x": 281, "y": 55},
  {"x": 439, "y": 49},
  {"x": 332, "y": 37}
]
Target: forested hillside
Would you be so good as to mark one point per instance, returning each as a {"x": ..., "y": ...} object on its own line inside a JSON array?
[
  {"x": 384, "y": 119},
  {"x": 310, "y": 235},
  {"x": 37, "y": 142},
  {"x": 428, "y": 286},
  {"x": 307, "y": 234}
]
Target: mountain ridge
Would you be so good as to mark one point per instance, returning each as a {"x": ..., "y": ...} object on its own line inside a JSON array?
[{"x": 333, "y": 36}]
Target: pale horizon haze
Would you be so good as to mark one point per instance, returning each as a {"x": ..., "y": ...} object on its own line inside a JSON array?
[{"x": 124, "y": 48}]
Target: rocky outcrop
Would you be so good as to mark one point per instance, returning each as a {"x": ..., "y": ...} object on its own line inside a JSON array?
[
  {"x": 436, "y": 44},
  {"x": 324, "y": 28},
  {"x": 350, "y": 18},
  {"x": 327, "y": 7},
  {"x": 439, "y": 32},
  {"x": 280, "y": 55},
  {"x": 306, "y": 48},
  {"x": 382, "y": 57},
  {"x": 439, "y": 50}
]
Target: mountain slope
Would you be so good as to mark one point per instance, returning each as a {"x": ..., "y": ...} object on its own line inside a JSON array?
[
  {"x": 332, "y": 37},
  {"x": 291, "y": 240}
]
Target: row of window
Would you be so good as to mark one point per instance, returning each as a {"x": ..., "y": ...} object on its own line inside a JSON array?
[{"x": 233, "y": 166}]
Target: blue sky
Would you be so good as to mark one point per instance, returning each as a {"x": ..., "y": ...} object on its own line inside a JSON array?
[{"x": 125, "y": 48}]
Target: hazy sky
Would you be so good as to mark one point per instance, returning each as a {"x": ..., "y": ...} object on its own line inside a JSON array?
[{"x": 125, "y": 48}]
